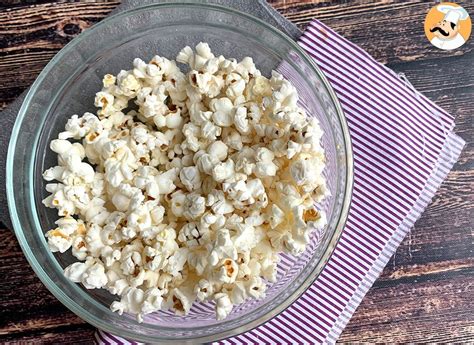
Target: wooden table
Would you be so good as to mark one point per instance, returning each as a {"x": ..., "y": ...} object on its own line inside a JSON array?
[{"x": 425, "y": 293}]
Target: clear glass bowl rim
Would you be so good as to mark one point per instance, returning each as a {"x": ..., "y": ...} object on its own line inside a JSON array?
[{"x": 85, "y": 314}]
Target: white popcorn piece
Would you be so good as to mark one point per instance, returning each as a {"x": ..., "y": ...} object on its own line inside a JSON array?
[
  {"x": 60, "y": 146},
  {"x": 256, "y": 287},
  {"x": 58, "y": 241},
  {"x": 159, "y": 120},
  {"x": 194, "y": 206},
  {"x": 233, "y": 140},
  {"x": 261, "y": 86},
  {"x": 241, "y": 120},
  {"x": 223, "y": 171},
  {"x": 235, "y": 85},
  {"x": 190, "y": 178},
  {"x": 289, "y": 196},
  {"x": 177, "y": 261},
  {"x": 277, "y": 216},
  {"x": 128, "y": 83},
  {"x": 157, "y": 214},
  {"x": 292, "y": 246},
  {"x": 204, "y": 290},
  {"x": 223, "y": 305},
  {"x": 206, "y": 83},
  {"x": 301, "y": 171},
  {"x": 121, "y": 202},
  {"x": 293, "y": 149},
  {"x": 90, "y": 273},
  {"x": 185, "y": 56},
  {"x": 110, "y": 255},
  {"x": 103, "y": 99},
  {"x": 174, "y": 120},
  {"x": 152, "y": 301},
  {"x": 218, "y": 203},
  {"x": 54, "y": 173},
  {"x": 177, "y": 203},
  {"x": 79, "y": 248},
  {"x": 191, "y": 195},
  {"x": 130, "y": 302},
  {"x": 222, "y": 109},
  {"x": 166, "y": 181},
  {"x": 218, "y": 149},
  {"x": 265, "y": 169},
  {"x": 206, "y": 163},
  {"x": 227, "y": 272},
  {"x": 210, "y": 131},
  {"x": 223, "y": 248}
]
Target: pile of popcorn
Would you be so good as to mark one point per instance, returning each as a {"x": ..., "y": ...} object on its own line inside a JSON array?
[{"x": 192, "y": 195}]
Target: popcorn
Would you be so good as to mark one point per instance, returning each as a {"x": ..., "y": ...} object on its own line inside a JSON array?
[
  {"x": 206, "y": 163},
  {"x": 209, "y": 131},
  {"x": 233, "y": 140},
  {"x": 190, "y": 178},
  {"x": 256, "y": 287},
  {"x": 90, "y": 273},
  {"x": 103, "y": 99},
  {"x": 153, "y": 301},
  {"x": 182, "y": 301},
  {"x": 204, "y": 290},
  {"x": 223, "y": 171},
  {"x": 110, "y": 255},
  {"x": 223, "y": 305},
  {"x": 227, "y": 273},
  {"x": 218, "y": 149},
  {"x": 108, "y": 80},
  {"x": 223, "y": 248},
  {"x": 194, "y": 206},
  {"x": 206, "y": 83},
  {"x": 58, "y": 241},
  {"x": 79, "y": 248},
  {"x": 60, "y": 146},
  {"x": 218, "y": 203},
  {"x": 264, "y": 166},
  {"x": 131, "y": 301},
  {"x": 191, "y": 196},
  {"x": 241, "y": 121},
  {"x": 177, "y": 261},
  {"x": 177, "y": 203},
  {"x": 174, "y": 120},
  {"x": 121, "y": 202},
  {"x": 235, "y": 85},
  {"x": 222, "y": 109},
  {"x": 277, "y": 216},
  {"x": 293, "y": 149},
  {"x": 128, "y": 84}
]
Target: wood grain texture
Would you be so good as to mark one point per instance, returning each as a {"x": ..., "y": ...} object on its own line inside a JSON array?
[
  {"x": 31, "y": 36},
  {"x": 391, "y": 31},
  {"x": 426, "y": 291}
]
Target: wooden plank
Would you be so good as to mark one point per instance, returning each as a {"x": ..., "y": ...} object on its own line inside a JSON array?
[
  {"x": 391, "y": 31},
  {"x": 20, "y": 32},
  {"x": 74, "y": 334},
  {"x": 436, "y": 310},
  {"x": 29, "y": 310},
  {"x": 31, "y": 36}
]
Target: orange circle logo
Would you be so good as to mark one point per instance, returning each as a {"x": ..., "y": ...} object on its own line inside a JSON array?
[{"x": 447, "y": 26}]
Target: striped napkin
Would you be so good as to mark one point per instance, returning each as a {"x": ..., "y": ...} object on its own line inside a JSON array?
[{"x": 404, "y": 147}]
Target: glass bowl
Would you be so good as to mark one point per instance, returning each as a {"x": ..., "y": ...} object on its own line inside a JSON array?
[{"x": 67, "y": 86}]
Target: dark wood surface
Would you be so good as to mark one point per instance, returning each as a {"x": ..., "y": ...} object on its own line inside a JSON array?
[{"x": 425, "y": 293}]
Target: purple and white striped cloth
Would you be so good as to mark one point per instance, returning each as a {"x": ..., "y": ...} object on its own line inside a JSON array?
[{"x": 404, "y": 147}]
